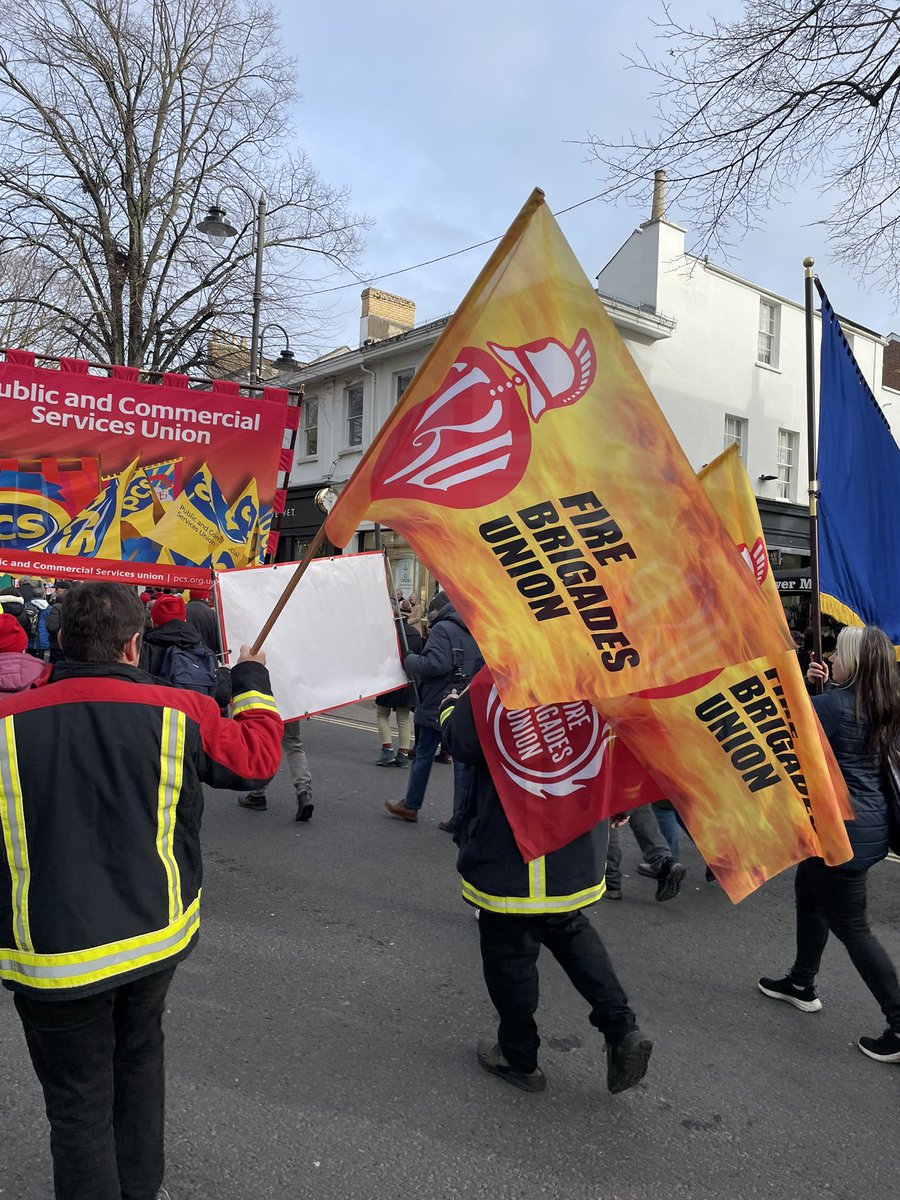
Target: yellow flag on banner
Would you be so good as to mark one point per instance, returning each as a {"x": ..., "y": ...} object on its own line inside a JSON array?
[
  {"x": 140, "y": 507},
  {"x": 239, "y": 530},
  {"x": 192, "y": 524},
  {"x": 740, "y": 751},
  {"x": 96, "y": 531},
  {"x": 531, "y": 469}
]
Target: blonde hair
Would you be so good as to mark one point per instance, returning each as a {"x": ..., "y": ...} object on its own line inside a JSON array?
[{"x": 847, "y": 649}]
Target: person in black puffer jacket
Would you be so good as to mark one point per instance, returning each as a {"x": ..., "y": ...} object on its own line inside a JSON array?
[
  {"x": 860, "y": 715},
  {"x": 449, "y": 650}
]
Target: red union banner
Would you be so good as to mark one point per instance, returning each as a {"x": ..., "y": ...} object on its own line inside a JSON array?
[
  {"x": 104, "y": 477},
  {"x": 559, "y": 769}
]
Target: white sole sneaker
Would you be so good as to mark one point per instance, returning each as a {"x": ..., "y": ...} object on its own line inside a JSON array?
[
  {"x": 885, "y": 1058},
  {"x": 803, "y": 1005}
]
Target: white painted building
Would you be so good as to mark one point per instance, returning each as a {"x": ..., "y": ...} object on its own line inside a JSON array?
[{"x": 724, "y": 357}]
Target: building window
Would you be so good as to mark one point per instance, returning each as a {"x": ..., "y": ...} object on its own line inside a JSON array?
[
  {"x": 767, "y": 338},
  {"x": 402, "y": 380},
  {"x": 310, "y": 426},
  {"x": 354, "y": 397},
  {"x": 788, "y": 442},
  {"x": 736, "y": 435}
]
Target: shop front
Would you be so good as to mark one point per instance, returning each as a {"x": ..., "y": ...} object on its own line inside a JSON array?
[
  {"x": 300, "y": 522},
  {"x": 411, "y": 576}
]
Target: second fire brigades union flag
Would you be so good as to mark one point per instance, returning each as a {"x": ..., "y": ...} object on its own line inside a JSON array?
[
  {"x": 530, "y": 468},
  {"x": 740, "y": 751}
]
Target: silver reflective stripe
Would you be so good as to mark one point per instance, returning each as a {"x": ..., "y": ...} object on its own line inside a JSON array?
[
  {"x": 75, "y": 970},
  {"x": 12, "y": 819},
  {"x": 170, "y": 778}
]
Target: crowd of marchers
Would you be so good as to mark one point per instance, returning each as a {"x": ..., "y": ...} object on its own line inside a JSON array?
[{"x": 100, "y": 896}]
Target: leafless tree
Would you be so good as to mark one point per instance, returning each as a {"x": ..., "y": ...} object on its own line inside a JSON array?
[
  {"x": 120, "y": 123},
  {"x": 792, "y": 91}
]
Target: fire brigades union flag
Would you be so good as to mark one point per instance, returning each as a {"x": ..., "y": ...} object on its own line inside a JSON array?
[{"x": 530, "y": 468}]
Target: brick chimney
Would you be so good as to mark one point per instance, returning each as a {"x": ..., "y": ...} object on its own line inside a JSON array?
[
  {"x": 658, "y": 211},
  {"x": 890, "y": 369},
  {"x": 384, "y": 316}
]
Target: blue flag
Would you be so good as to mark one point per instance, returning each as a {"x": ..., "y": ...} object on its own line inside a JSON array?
[{"x": 859, "y": 478}]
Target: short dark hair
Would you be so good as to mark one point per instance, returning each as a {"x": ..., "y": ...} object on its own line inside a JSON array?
[{"x": 97, "y": 620}]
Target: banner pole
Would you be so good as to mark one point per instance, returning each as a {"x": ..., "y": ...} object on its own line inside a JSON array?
[
  {"x": 815, "y": 614},
  {"x": 311, "y": 550}
]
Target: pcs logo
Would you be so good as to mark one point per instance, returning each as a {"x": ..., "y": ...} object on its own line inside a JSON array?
[{"x": 27, "y": 521}]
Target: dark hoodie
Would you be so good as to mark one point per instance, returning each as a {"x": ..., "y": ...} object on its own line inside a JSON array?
[{"x": 433, "y": 669}]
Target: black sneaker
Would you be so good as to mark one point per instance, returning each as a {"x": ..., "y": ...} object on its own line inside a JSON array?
[
  {"x": 491, "y": 1058},
  {"x": 883, "y": 1049},
  {"x": 254, "y": 803},
  {"x": 626, "y": 1061},
  {"x": 804, "y": 998},
  {"x": 669, "y": 880},
  {"x": 305, "y": 807}
]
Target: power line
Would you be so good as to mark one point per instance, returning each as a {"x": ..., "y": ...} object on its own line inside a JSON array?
[{"x": 340, "y": 287}]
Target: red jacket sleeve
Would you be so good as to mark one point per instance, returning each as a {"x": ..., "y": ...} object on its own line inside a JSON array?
[{"x": 244, "y": 750}]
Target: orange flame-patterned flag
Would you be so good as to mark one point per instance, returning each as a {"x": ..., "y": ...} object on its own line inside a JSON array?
[
  {"x": 740, "y": 751},
  {"x": 531, "y": 469}
]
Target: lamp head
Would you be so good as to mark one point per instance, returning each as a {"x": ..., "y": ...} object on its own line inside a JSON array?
[
  {"x": 285, "y": 361},
  {"x": 216, "y": 228}
]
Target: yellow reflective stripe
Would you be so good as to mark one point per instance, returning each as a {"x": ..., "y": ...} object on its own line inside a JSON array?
[
  {"x": 530, "y": 906},
  {"x": 170, "y": 778},
  {"x": 446, "y": 712},
  {"x": 82, "y": 967},
  {"x": 12, "y": 819},
  {"x": 537, "y": 878},
  {"x": 250, "y": 700}
]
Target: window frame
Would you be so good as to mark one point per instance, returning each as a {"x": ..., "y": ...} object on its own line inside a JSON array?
[
  {"x": 772, "y": 332},
  {"x": 310, "y": 404},
  {"x": 396, "y": 393},
  {"x": 350, "y": 418},
  {"x": 786, "y": 483},
  {"x": 743, "y": 428}
]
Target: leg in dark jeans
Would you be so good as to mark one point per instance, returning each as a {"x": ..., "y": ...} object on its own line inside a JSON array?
[
  {"x": 575, "y": 944},
  {"x": 140, "y": 1086},
  {"x": 509, "y": 952},
  {"x": 834, "y": 898},
  {"x": 427, "y": 742},
  {"x": 86, "y": 1076}
]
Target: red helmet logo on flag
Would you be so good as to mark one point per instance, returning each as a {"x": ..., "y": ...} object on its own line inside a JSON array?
[{"x": 469, "y": 443}]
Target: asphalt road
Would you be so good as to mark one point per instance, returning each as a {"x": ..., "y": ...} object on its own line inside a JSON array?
[{"x": 321, "y": 1038}]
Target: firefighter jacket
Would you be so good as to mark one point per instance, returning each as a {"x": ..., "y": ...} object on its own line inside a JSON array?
[
  {"x": 101, "y": 774},
  {"x": 494, "y": 874}
]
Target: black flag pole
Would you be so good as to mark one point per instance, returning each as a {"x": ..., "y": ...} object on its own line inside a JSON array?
[{"x": 815, "y": 613}]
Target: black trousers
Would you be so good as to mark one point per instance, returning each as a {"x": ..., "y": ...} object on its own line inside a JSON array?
[
  {"x": 100, "y": 1063},
  {"x": 509, "y": 952},
  {"x": 834, "y": 898}
]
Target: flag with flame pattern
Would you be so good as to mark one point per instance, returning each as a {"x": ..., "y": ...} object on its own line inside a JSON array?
[
  {"x": 740, "y": 751},
  {"x": 531, "y": 469}
]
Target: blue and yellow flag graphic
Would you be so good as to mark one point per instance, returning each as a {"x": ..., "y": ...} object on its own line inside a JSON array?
[
  {"x": 96, "y": 531},
  {"x": 859, "y": 481}
]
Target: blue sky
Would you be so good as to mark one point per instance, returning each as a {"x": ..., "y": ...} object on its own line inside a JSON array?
[{"x": 441, "y": 119}]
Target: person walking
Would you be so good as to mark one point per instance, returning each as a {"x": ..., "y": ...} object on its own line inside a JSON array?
[
  {"x": 199, "y": 613},
  {"x": 450, "y": 650},
  {"x": 102, "y": 849},
  {"x": 860, "y": 715},
  {"x": 398, "y": 701},
  {"x": 523, "y": 906},
  {"x": 18, "y": 669},
  {"x": 668, "y": 873},
  {"x": 298, "y": 768}
]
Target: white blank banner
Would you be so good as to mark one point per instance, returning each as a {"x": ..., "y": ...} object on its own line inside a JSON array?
[{"x": 335, "y": 641}]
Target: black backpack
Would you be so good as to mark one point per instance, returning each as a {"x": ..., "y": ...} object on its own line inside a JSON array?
[{"x": 190, "y": 667}]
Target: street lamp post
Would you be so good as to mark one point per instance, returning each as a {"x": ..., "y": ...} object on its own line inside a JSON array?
[
  {"x": 285, "y": 360},
  {"x": 217, "y": 231}
]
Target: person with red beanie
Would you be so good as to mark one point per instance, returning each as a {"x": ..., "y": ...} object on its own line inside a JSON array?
[
  {"x": 18, "y": 670},
  {"x": 170, "y": 632},
  {"x": 202, "y": 617}
]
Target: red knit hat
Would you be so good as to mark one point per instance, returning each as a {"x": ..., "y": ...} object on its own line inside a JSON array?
[
  {"x": 200, "y": 593},
  {"x": 13, "y": 638},
  {"x": 167, "y": 608}
]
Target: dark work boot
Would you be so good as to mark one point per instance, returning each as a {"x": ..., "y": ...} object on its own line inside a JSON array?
[
  {"x": 305, "y": 806},
  {"x": 253, "y": 802},
  {"x": 492, "y": 1059}
]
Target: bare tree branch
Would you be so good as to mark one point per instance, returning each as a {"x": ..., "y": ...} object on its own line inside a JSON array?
[
  {"x": 120, "y": 122},
  {"x": 747, "y": 109}
]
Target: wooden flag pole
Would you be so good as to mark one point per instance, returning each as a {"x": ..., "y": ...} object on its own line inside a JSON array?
[{"x": 311, "y": 550}]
